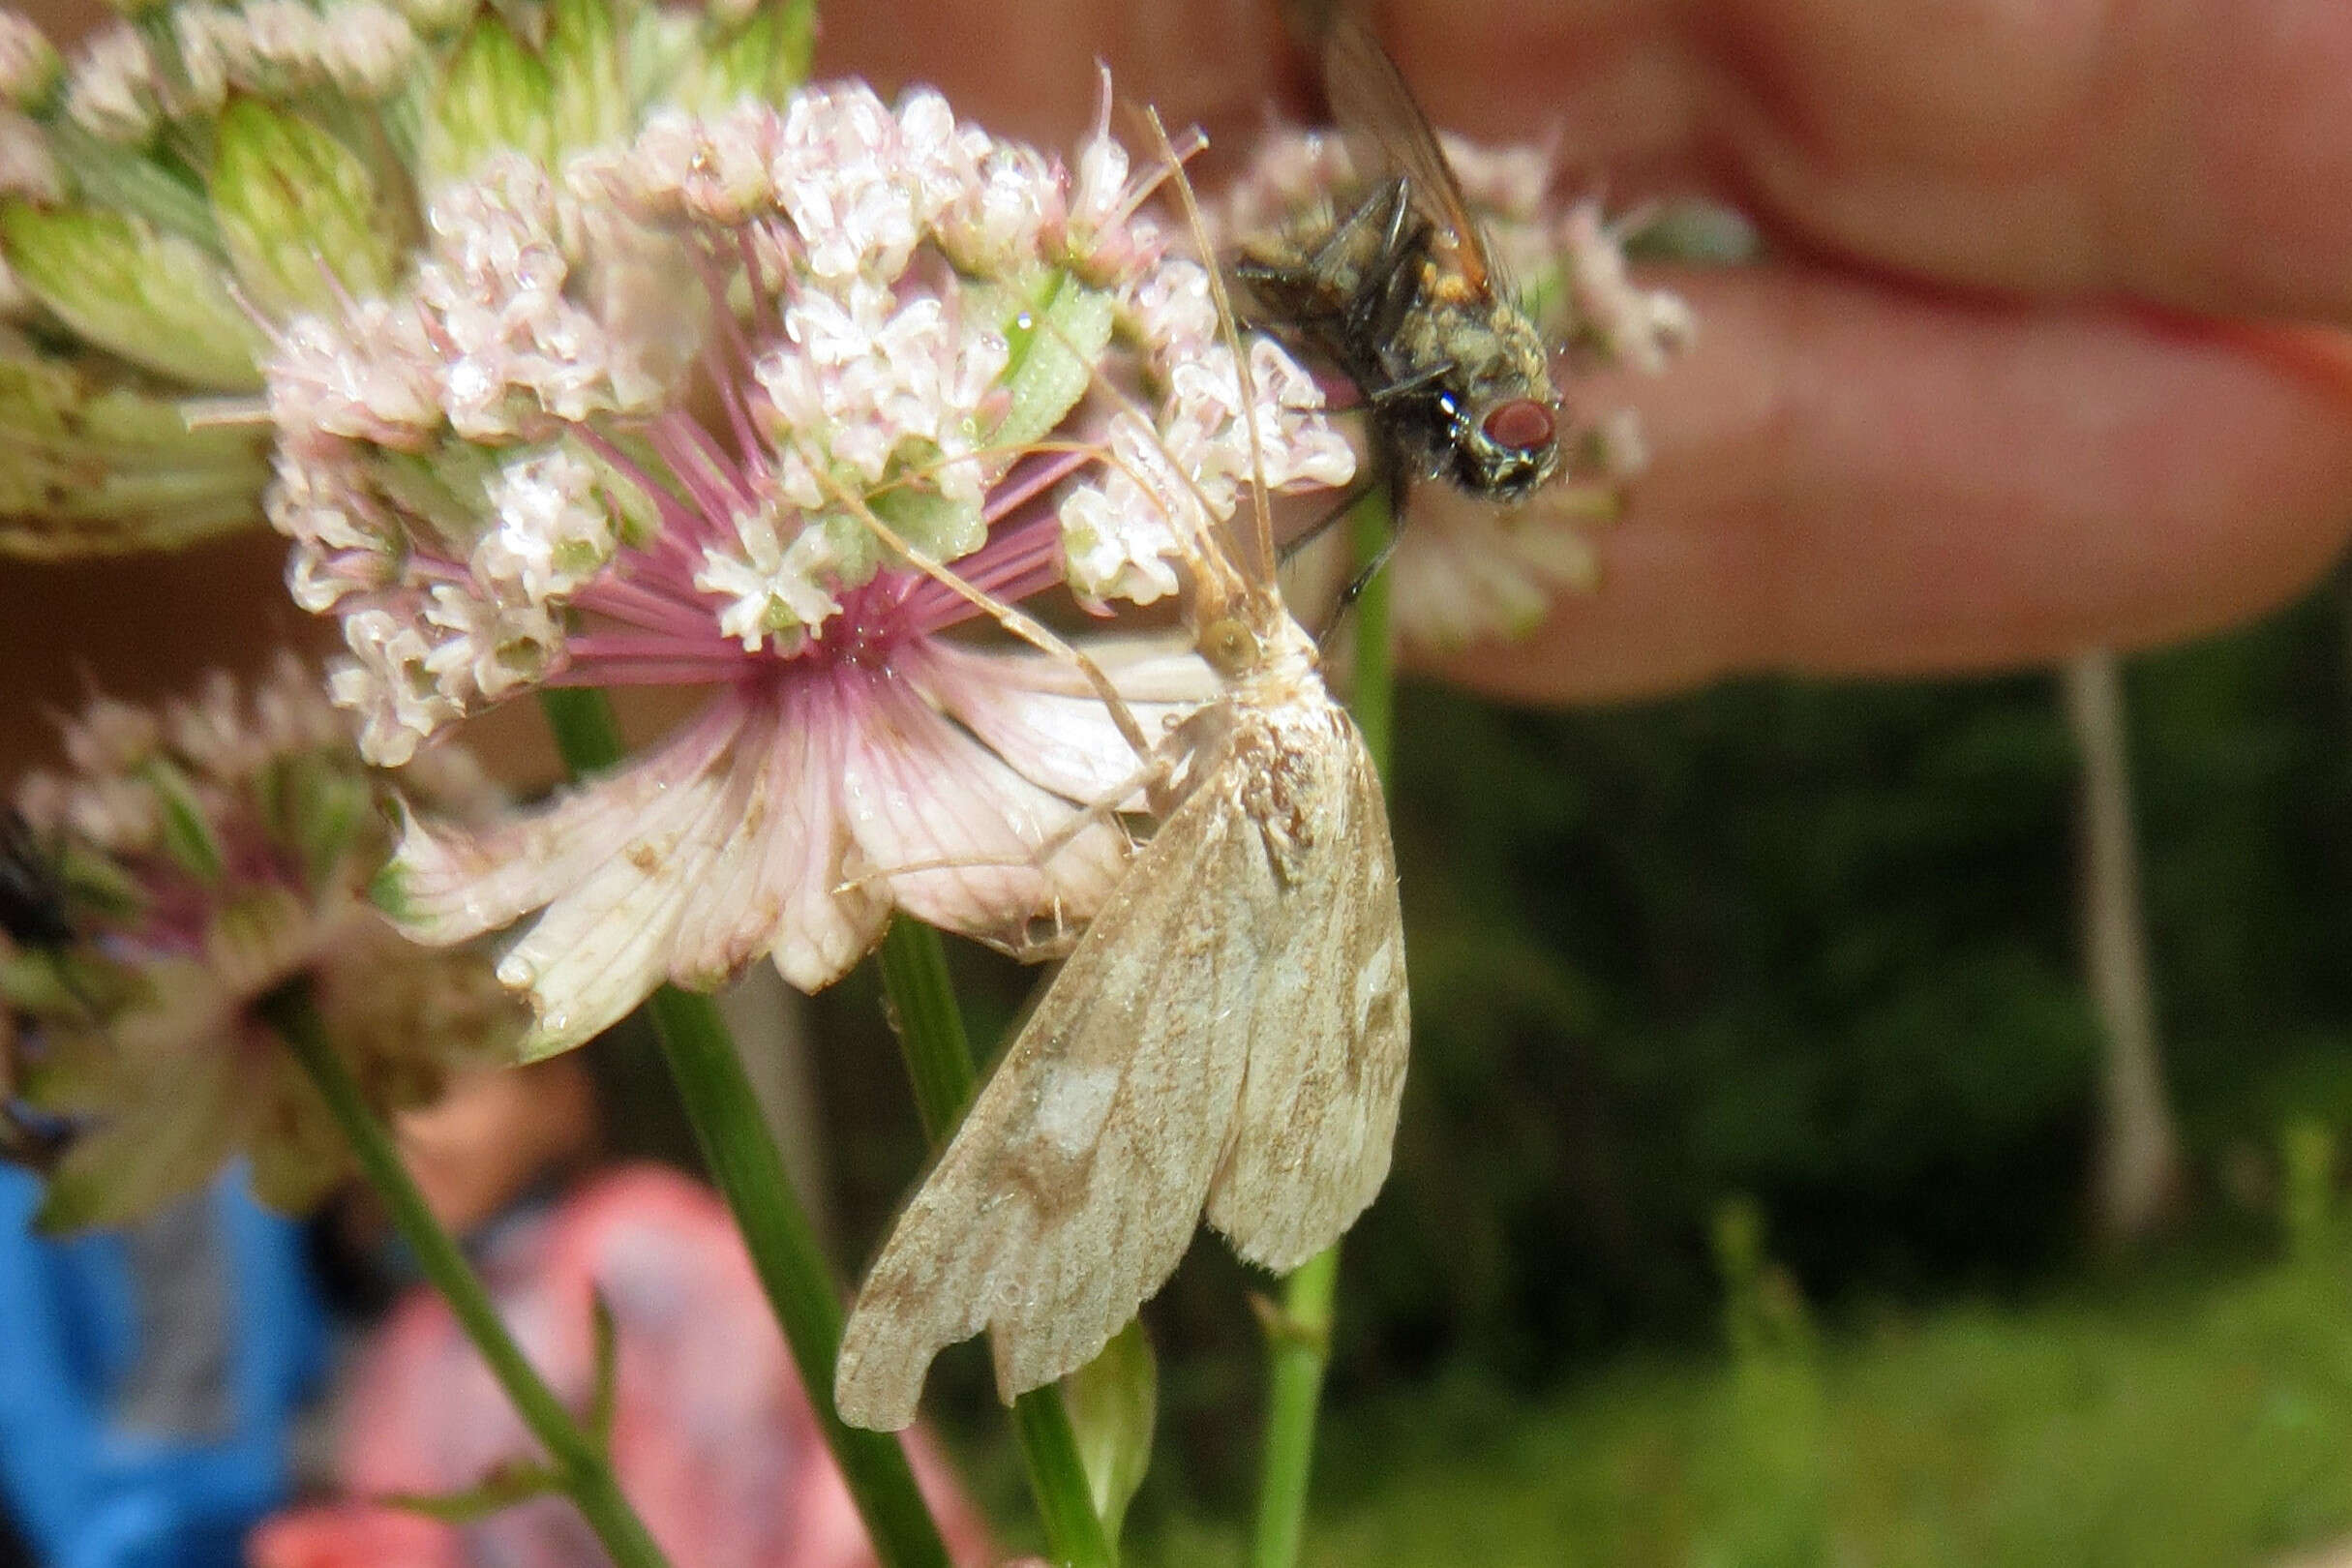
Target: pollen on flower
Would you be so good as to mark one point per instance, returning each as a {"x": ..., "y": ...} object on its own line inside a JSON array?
[
  {"x": 554, "y": 528},
  {"x": 698, "y": 410},
  {"x": 771, "y": 588}
]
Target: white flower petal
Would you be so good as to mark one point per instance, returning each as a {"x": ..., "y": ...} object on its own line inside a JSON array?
[
  {"x": 727, "y": 917},
  {"x": 604, "y": 945}
]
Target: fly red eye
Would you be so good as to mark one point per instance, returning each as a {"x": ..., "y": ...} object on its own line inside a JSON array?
[{"x": 1521, "y": 424}]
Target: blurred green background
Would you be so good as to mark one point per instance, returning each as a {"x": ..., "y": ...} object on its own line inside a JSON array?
[{"x": 1741, "y": 1213}]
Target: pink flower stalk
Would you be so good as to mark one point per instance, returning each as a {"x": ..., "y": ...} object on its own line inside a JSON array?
[
  {"x": 668, "y": 424},
  {"x": 1468, "y": 570}
]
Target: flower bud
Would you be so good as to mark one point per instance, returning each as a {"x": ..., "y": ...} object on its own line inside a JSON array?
[
  {"x": 156, "y": 299},
  {"x": 91, "y": 469},
  {"x": 303, "y": 218},
  {"x": 1114, "y": 1402},
  {"x": 29, "y": 66},
  {"x": 759, "y": 51},
  {"x": 494, "y": 94},
  {"x": 589, "y": 88}
]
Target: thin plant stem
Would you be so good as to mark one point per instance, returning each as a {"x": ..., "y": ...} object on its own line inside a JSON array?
[
  {"x": 938, "y": 1051},
  {"x": 743, "y": 1161},
  {"x": 579, "y": 1463},
  {"x": 1298, "y": 1334}
]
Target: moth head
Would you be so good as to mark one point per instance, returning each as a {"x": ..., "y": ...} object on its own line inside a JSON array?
[{"x": 1229, "y": 646}]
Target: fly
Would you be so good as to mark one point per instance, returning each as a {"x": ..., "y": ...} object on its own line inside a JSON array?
[{"x": 1399, "y": 293}]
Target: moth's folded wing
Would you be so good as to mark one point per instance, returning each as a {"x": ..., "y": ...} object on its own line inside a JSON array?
[
  {"x": 1071, "y": 1190},
  {"x": 1328, "y": 1031}
]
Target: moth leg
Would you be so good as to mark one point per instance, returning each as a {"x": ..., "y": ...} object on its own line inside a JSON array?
[
  {"x": 1107, "y": 808},
  {"x": 1021, "y": 624},
  {"x": 1322, "y": 524}
]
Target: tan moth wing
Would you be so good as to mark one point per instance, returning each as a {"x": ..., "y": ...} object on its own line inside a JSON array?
[
  {"x": 1075, "y": 1183},
  {"x": 1328, "y": 1032},
  {"x": 1152, "y": 1076}
]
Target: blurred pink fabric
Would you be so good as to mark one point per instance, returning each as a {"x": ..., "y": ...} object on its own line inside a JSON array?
[{"x": 713, "y": 1439}]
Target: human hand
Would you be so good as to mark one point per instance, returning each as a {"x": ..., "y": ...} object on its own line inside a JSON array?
[{"x": 2018, "y": 379}]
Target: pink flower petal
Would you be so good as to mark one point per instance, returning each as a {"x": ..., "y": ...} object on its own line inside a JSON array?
[
  {"x": 449, "y": 884},
  {"x": 824, "y": 928},
  {"x": 920, "y": 791},
  {"x": 1044, "y": 717}
]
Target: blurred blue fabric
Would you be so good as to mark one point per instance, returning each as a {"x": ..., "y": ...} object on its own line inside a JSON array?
[{"x": 151, "y": 1376}]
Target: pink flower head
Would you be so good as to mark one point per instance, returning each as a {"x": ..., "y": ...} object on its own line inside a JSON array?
[
  {"x": 669, "y": 422},
  {"x": 206, "y": 857}
]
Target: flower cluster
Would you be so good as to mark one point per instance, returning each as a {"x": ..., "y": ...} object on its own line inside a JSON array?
[
  {"x": 763, "y": 402},
  {"x": 1466, "y": 570},
  {"x": 200, "y": 175},
  {"x": 194, "y": 862}
]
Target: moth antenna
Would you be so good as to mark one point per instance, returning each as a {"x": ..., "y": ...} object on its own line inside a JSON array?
[
  {"x": 1201, "y": 559},
  {"x": 1027, "y": 627},
  {"x": 1226, "y": 322}
]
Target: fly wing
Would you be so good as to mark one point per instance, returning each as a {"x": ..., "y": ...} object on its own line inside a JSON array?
[
  {"x": 1328, "y": 1028},
  {"x": 1075, "y": 1184},
  {"x": 1387, "y": 133}
]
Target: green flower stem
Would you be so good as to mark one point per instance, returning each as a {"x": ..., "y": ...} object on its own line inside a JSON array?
[
  {"x": 1373, "y": 687},
  {"x": 580, "y": 1464},
  {"x": 939, "y": 1059},
  {"x": 1299, "y": 1345},
  {"x": 744, "y": 1162}
]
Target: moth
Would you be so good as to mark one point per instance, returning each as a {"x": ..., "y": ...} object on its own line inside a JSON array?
[
  {"x": 1226, "y": 1040},
  {"x": 1399, "y": 293}
]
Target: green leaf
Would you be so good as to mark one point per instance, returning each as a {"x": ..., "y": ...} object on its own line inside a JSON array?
[
  {"x": 506, "y": 1486},
  {"x": 1114, "y": 1403},
  {"x": 1057, "y": 336}
]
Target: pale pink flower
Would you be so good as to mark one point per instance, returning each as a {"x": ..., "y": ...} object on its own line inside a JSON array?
[
  {"x": 207, "y": 856},
  {"x": 658, "y": 422}
]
